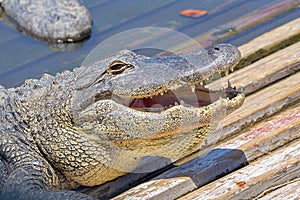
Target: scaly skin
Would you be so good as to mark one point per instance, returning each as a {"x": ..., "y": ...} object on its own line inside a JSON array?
[
  {"x": 50, "y": 20},
  {"x": 94, "y": 124}
]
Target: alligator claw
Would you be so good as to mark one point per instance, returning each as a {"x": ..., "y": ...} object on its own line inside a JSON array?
[{"x": 229, "y": 84}]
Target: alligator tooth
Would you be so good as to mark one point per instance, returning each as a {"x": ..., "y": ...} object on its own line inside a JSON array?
[
  {"x": 182, "y": 102},
  {"x": 201, "y": 82},
  {"x": 193, "y": 88},
  {"x": 217, "y": 90},
  {"x": 226, "y": 73},
  {"x": 231, "y": 69},
  {"x": 162, "y": 93},
  {"x": 176, "y": 103}
]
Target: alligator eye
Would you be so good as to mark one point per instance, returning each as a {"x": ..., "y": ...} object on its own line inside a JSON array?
[{"x": 117, "y": 67}]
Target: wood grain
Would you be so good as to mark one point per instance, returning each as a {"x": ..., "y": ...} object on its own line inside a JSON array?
[
  {"x": 275, "y": 169},
  {"x": 288, "y": 190},
  {"x": 270, "y": 42}
]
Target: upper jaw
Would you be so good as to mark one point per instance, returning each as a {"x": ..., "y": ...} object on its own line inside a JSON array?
[{"x": 148, "y": 80}]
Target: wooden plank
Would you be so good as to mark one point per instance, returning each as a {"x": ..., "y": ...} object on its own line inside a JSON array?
[
  {"x": 288, "y": 190},
  {"x": 275, "y": 169},
  {"x": 273, "y": 98},
  {"x": 267, "y": 135},
  {"x": 270, "y": 42},
  {"x": 259, "y": 140}
]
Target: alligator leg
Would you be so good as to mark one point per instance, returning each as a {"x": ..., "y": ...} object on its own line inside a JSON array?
[
  {"x": 30, "y": 175},
  {"x": 3, "y": 173},
  {"x": 26, "y": 183}
]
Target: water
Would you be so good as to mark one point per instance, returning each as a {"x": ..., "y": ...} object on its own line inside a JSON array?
[{"x": 22, "y": 57}]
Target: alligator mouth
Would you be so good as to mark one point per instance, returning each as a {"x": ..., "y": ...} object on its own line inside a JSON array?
[{"x": 188, "y": 96}]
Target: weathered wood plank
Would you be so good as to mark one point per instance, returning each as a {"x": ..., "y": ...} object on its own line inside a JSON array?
[
  {"x": 275, "y": 169},
  {"x": 270, "y": 42},
  {"x": 259, "y": 140},
  {"x": 267, "y": 135},
  {"x": 288, "y": 190}
]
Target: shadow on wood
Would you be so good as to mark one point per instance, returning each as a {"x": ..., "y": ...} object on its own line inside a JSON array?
[{"x": 187, "y": 177}]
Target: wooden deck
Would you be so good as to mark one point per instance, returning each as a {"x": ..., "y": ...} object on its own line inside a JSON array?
[{"x": 256, "y": 153}]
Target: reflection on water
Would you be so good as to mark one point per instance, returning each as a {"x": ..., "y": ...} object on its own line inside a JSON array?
[{"x": 66, "y": 46}]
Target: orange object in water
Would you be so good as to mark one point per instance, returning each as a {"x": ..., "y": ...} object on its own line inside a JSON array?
[{"x": 193, "y": 13}]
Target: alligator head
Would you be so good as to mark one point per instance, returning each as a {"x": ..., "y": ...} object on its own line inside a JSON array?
[{"x": 129, "y": 106}]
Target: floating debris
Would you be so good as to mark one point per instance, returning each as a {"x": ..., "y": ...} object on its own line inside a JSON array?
[{"x": 193, "y": 13}]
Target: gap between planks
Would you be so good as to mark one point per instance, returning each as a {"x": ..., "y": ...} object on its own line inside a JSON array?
[{"x": 287, "y": 190}]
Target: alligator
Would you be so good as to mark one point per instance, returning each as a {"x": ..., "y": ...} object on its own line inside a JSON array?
[
  {"x": 94, "y": 124},
  {"x": 50, "y": 20}
]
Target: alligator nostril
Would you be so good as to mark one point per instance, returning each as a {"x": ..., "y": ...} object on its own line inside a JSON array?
[{"x": 216, "y": 48}]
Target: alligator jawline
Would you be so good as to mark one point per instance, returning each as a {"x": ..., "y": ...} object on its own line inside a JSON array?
[{"x": 188, "y": 96}]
